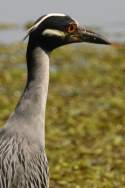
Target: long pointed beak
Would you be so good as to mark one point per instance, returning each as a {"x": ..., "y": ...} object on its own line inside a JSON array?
[
  {"x": 91, "y": 37},
  {"x": 84, "y": 35}
]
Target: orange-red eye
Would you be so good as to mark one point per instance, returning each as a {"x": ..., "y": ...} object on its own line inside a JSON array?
[{"x": 71, "y": 28}]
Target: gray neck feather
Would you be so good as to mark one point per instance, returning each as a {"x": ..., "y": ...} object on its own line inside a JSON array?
[{"x": 30, "y": 111}]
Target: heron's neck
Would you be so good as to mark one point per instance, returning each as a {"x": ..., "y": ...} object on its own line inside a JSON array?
[{"x": 33, "y": 101}]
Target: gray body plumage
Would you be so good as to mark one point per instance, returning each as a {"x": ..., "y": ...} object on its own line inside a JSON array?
[{"x": 23, "y": 162}]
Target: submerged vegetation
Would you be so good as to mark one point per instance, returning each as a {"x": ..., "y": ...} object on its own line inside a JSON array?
[{"x": 85, "y": 116}]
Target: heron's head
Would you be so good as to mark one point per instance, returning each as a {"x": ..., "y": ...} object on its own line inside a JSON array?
[{"x": 54, "y": 30}]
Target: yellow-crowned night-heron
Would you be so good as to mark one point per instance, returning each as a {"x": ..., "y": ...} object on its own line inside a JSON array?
[{"x": 23, "y": 162}]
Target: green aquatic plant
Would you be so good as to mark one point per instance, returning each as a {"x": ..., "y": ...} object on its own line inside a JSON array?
[{"x": 86, "y": 102}]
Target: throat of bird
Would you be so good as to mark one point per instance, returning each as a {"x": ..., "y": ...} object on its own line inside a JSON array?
[{"x": 32, "y": 105}]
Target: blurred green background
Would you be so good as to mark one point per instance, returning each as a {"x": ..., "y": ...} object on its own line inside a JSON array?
[{"x": 85, "y": 115}]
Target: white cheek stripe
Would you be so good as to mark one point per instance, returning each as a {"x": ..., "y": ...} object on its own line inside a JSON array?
[{"x": 53, "y": 32}]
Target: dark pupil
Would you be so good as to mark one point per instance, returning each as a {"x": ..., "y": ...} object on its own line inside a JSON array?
[{"x": 71, "y": 27}]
